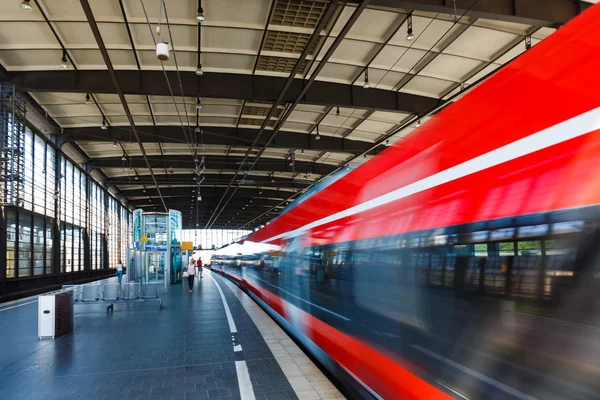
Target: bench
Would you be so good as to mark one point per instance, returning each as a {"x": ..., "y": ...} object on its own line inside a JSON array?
[{"x": 111, "y": 293}]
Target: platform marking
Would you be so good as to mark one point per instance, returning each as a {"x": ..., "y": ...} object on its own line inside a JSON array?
[
  {"x": 492, "y": 382},
  {"x": 230, "y": 320},
  {"x": 301, "y": 299},
  {"x": 569, "y": 129},
  {"x": 246, "y": 389},
  {"x": 18, "y": 305},
  {"x": 98, "y": 282},
  {"x": 290, "y": 358},
  {"x": 241, "y": 368}
]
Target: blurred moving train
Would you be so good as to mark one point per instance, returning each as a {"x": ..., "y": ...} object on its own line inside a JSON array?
[{"x": 464, "y": 261}]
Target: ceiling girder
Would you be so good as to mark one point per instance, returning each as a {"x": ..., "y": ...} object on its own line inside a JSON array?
[
  {"x": 209, "y": 192},
  {"x": 210, "y": 202},
  {"x": 552, "y": 13},
  {"x": 210, "y": 179},
  {"x": 116, "y": 85},
  {"x": 227, "y": 136},
  {"x": 213, "y": 162},
  {"x": 221, "y": 85}
]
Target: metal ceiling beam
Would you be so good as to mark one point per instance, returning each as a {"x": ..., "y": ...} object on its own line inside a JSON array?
[
  {"x": 115, "y": 81},
  {"x": 221, "y": 85},
  {"x": 210, "y": 179},
  {"x": 280, "y": 99},
  {"x": 209, "y": 192},
  {"x": 227, "y": 136},
  {"x": 215, "y": 162},
  {"x": 209, "y": 202},
  {"x": 552, "y": 13},
  {"x": 442, "y": 44},
  {"x": 307, "y": 84}
]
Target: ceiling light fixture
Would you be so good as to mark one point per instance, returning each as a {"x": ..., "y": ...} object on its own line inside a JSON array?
[
  {"x": 366, "y": 85},
  {"x": 65, "y": 62},
  {"x": 26, "y": 6},
  {"x": 419, "y": 123},
  {"x": 114, "y": 144},
  {"x": 124, "y": 158},
  {"x": 199, "y": 70},
  {"x": 200, "y": 16},
  {"x": 144, "y": 191},
  {"x": 162, "y": 51},
  {"x": 409, "y": 29},
  {"x": 387, "y": 142},
  {"x": 137, "y": 178},
  {"x": 337, "y": 112},
  {"x": 199, "y": 104},
  {"x": 318, "y": 137},
  {"x": 87, "y": 100},
  {"x": 104, "y": 125}
]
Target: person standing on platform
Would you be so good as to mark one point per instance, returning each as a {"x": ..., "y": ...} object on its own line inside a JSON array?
[
  {"x": 120, "y": 271},
  {"x": 191, "y": 272},
  {"x": 199, "y": 265}
]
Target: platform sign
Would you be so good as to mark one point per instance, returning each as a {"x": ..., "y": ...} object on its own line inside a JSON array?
[
  {"x": 187, "y": 245},
  {"x": 137, "y": 224},
  {"x": 156, "y": 248}
]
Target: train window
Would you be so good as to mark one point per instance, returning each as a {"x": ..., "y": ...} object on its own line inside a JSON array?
[
  {"x": 495, "y": 275},
  {"x": 507, "y": 248},
  {"x": 529, "y": 247},
  {"x": 562, "y": 245},
  {"x": 462, "y": 250},
  {"x": 481, "y": 249},
  {"x": 525, "y": 274}
]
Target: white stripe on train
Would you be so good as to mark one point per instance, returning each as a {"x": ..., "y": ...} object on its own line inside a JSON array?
[{"x": 577, "y": 126}]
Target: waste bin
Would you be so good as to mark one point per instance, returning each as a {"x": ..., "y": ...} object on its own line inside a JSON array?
[{"x": 55, "y": 314}]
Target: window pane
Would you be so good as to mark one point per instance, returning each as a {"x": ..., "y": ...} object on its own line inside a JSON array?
[
  {"x": 38, "y": 245},
  {"x": 507, "y": 248},
  {"x": 24, "y": 244},
  {"x": 11, "y": 237},
  {"x": 481, "y": 250},
  {"x": 529, "y": 247},
  {"x": 49, "y": 261}
]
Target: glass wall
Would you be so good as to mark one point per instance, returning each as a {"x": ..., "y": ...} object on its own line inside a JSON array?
[
  {"x": 58, "y": 196},
  {"x": 204, "y": 239}
]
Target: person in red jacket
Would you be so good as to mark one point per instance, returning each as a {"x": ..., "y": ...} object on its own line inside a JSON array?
[{"x": 199, "y": 265}]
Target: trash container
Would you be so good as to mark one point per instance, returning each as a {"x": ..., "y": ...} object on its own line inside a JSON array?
[{"x": 55, "y": 314}]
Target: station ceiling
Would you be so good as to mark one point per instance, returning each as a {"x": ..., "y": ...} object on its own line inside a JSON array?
[{"x": 282, "y": 94}]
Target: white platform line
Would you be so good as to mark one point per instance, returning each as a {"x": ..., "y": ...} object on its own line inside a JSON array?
[
  {"x": 230, "y": 320},
  {"x": 18, "y": 305},
  {"x": 246, "y": 389},
  {"x": 98, "y": 282},
  {"x": 241, "y": 368},
  {"x": 301, "y": 299},
  {"x": 559, "y": 133},
  {"x": 492, "y": 382}
]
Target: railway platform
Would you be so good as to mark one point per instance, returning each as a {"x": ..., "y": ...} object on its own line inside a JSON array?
[{"x": 213, "y": 343}]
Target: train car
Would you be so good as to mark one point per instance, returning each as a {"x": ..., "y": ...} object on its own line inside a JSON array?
[{"x": 464, "y": 261}]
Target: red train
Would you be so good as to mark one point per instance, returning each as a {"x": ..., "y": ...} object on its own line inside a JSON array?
[{"x": 465, "y": 260}]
